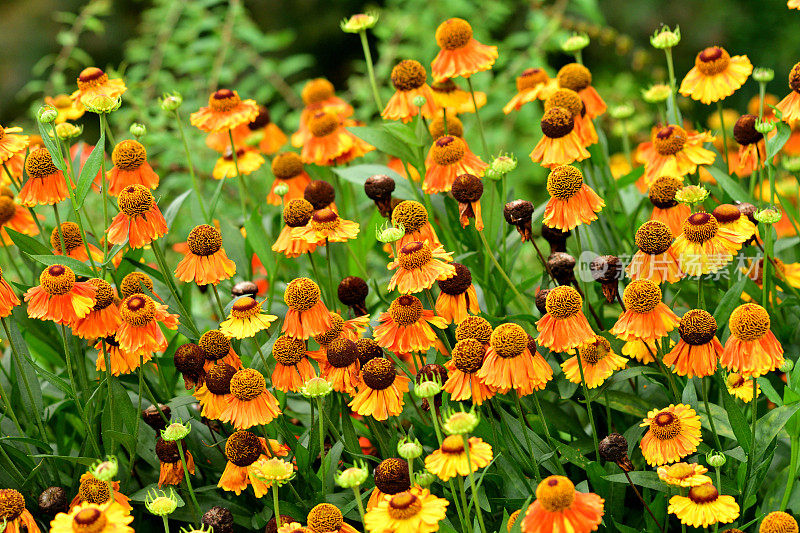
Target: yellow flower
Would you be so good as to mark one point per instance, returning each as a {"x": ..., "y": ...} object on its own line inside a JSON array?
[
  {"x": 451, "y": 459},
  {"x": 684, "y": 474},
  {"x": 704, "y": 507},
  {"x": 412, "y": 511},
  {"x": 106, "y": 518},
  {"x": 246, "y": 319}
]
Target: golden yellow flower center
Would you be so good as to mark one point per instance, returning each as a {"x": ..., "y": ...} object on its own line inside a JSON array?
[
  {"x": 104, "y": 293},
  {"x": 288, "y": 350},
  {"x": 726, "y": 213},
  {"x": 653, "y": 237},
  {"x": 642, "y": 296},
  {"x": 91, "y": 77},
  {"x": 57, "y": 280},
  {"x": 408, "y": 75},
  {"x": 287, "y": 165},
  {"x": 557, "y": 122},
  {"x": 453, "y": 444},
  {"x": 404, "y": 505},
  {"x": 530, "y": 78},
  {"x": 700, "y": 227},
  {"x": 665, "y": 426},
  {"x": 712, "y": 60},
  {"x": 129, "y": 155},
  {"x": 317, "y": 91},
  {"x": 596, "y": 350},
  {"x": 323, "y": 123},
  {"x": 669, "y": 140},
  {"x": 448, "y": 150},
  {"x": 71, "y": 234},
  {"x": 509, "y": 340},
  {"x": 415, "y": 254},
  {"x": 662, "y": 192},
  {"x": 405, "y": 310},
  {"x": 412, "y": 215},
  {"x": 566, "y": 98},
  {"x": 555, "y": 494},
  {"x": 749, "y": 322},
  {"x": 564, "y": 182},
  {"x": 247, "y": 384},
  {"x": 215, "y": 343},
  {"x": 39, "y": 164},
  {"x": 453, "y": 33},
  {"x": 325, "y": 220},
  {"x": 734, "y": 380},
  {"x": 297, "y": 212},
  {"x": 12, "y": 504},
  {"x": 337, "y": 325},
  {"x": 574, "y": 76},
  {"x": 680, "y": 470},
  {"x": 378, "y": 373},
  {"x": 325, "y": 517},
  {"x": 301, "y": 294},
  {"x": 697, "y": 327},
  {"x": 218, "y": 378},
  {"x": 223, "y": 100},
  {"x": 243, "y": 448},
  {"x": 204, "y": 240},
  {"x": 454, "y": 126},
  {"x": 92, "y": 490},
  {"x": 474, "y": 327},
  {"x": 135, "y": 200},
  {"x": 703, "y": 493},
  {"x": 794, "y": 78},
  {"x": 134, "y": 282},
  {"x": 89, "y": 520},
  {"x": 342, "y": 352},
  {"x": 468, "y": 355},
  {"x": 245, "y": 307},
  {"x": 8, "y": 208},
  {"x": 138, "y": 310},
  {"x": 563, "y": 302},
  {"x": 778, "y": 522}
]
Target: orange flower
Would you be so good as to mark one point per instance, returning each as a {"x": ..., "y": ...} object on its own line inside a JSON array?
[
  {"x": 46, "y": 184},
  {"x": 560, "y": 144},
  {"x": 418, "y": 267},
  {"x": 730, "y": 217},
  {"x": 704, "y": 247},
  {"x": 564, "y": 326},
  {"x": 139, "y": 221},
  {"x": 67, "y": 108},
  {"x": 206, "y": 262},
  {"x": 532, "y": 84},
  {"x": 674, "y": 152},
  {"x": 665, "y": 208},
  {"x": 220, "y": 141},
  {"x": 243, "y": 449},
  {"x": 454, "y": 459},
  {"x": 578, "y": 78},
  {"x": 272, "y": 138},
  {"x": 248, "y": 161},
  {"x": 673, "y": 433},
  {"x": 752, "y": 348},
  {"x": 340, "y": 366},
  {"x": 655, "y": 260},
  {"x": 171, "y": 469},
  {"x": 130, "y": 167},
  {"x": 752, "y": 146},
  {"x": 715, "y": 75},
  {"x": 8, "y": 299},
  {"x": 463, "y": 382},
  {"x": 457, "y": 296},
  {"x": 307, "y": 315},
  {"x": 467, "y": 189},
  {"x": 325, "y": 225},
  {"x": 104, "y": 318},
  {"x": 330, "y": 143},
  {"x": 318, "y": 95},
  {"x": 93, "y": 82},
  {"x": 215, "y": 390},
  {"x": 572, "y": 202},
  {"x": 380, "y": 393},
  {"x": 408, "y": 78},
  {"x": 217, "y": 347},
  {"x": 140, "y": 331},
  {"x": 790, "y": 106},
  {"x": 16, "y": 518},
  {"x": 296, "y": 214},
  {"x": 225, "y": 111},
  {"x": 73, "y": 242},
  {"x": 560, "y": 508},
  {"x": 697, "y": 352},
  {"x": 60, "y": 298},
  {"x": 249, "y": 403},
  {"x": 512, "y": 362},
  {"x": 120, "y": 361},
  {"x": 14, "y": 216},
  {"x": 598, "y": 360},
  {"x": 460, "y": 54},
  {"x": 292, "y": 367},
  {"x": 448, "y": 158},
  {"x": 287, "y": 167},
  {"x": 346, "y": 329},
  {"x": 406, "y": 326},
  {"x": 414, "y": 218},
  {"x": 11, "y": 143},
  {"x": 646, "y": 317},
  {"x": 571, "y": 101},
  {"x": 448, "y": 95}
]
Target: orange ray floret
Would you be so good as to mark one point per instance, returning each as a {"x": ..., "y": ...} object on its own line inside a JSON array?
[
  {"x": 409, "y": 80},
  {"x": 250, "y": 403},
  {"x": 130, "y": 168},
  {"x": 380, "y": 393},
  {"x": 225, "y": 111},
  {"x": 406, "y": 326},
  {"x": 752, "y": 349},
  {"x": 598, "y": 363},
  {"x": 560, "y": 144},
  {"x": 460, "y": 54},
  {"x": 697, "y": 352},
  {"x": 46, "y": 184},
  {"x": 512, "y": 362},
  {"x": 564, "y": 326},
  {"x": 8, "y": 299},
  {"x": 560, "y": 508},
  {"x": 571, "y": 202},
  {"x": 448, "y": 158},
  {"x": 307, "y": 315},
  {"x": 139, "y": 221},
  {"x": 60, "y": 298},
  {"x": 206, "y": 262}
]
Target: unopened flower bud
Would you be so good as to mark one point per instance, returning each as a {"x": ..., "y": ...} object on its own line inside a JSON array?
[
  {"x": 500, "y": 166},
  {"x": 360, "y": 22},
  {"x": 427, "y": 389},
  {"x": 67, "y": 131},
  {"x": 460, "y": 422},
  {"x": 353, "y": 476},
  {"x": 47, "y": 114},
  {"x": 716, "y": 459},
  {"x": 621, "y": 112},
  {"x": 575, "y": 42},
  {"x": 791, "y": 164},
  {"x": 161, "y": 503},
  {"x": 281, "y": 189},
  {"x": 409, "y": 449},
  {"x": 691, "y": 194},
  {"x": 419, "y": 101},
  {"x": 176, "y": 431},
  {"x": 101, "y": 103},
  {"x": 769, "y": 215},
  {"x": 171, "y": 101},
  {"x": 424, "y": 478},
  {"x": 656, "y": 93},
  {"x": 105, "y": 470},
  {"x": 138, "y": 130},
  {"x": 316, "y": 388},
  {"x": 389, "y": 233},
  {"x": 665, "y": 38},
  {"x": 787, "y": 366},
  {"x": 765, "y": 126},
  {"x": 763, "y": 75}
]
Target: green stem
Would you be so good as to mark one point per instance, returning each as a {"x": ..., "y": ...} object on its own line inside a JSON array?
[
  {"x": 474, "y": 492},
  {"x": 239, "y": 178},
  {"x": 166, "y": 523},
  {"x": 588, "y": 407},
  {"x": 794, "y": 456},
  {"x": 510, "y": 283},
  {"x": 547, "y": 434},
  {"x": 331, "y": 290},
  {"x": 219, "y": 301},
  {"x": 752, "y": 454},
  {"x": 370, "y": 70},
  {"x": 518, "y": 404},
  {"x": 78, "y": 405},
  {"x": 710, "y": 418},
  {"x": 321, "y": 444},
  {"x": 360, "y": 504},
  {"x": 478, "y": 118},
  {"x": 188, "y": 480},
  {"x": 195, "y": 183},
  {"x": 139, "y": 403},
  {"x": 724, "y": 136},
  {"x": 463, "y": 497},
  {"x": 276, "y": 505},
  {"x": 109, "y": 377},
  {"x": 105, "y": 130},
  {"x": 170, "y": 282},
  {"x": 672, "y": 92}
]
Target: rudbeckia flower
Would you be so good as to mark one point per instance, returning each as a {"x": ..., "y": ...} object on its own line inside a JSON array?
[
  {"x": 139, "y": 221},
  {"x": 448, "y": 158},
  {"x": 330, "y": 143},
  {"x": 414, "y": 218},
  {"x": 697, "y": 352},
  {"x": 340, "y": 365},
  {"x": 655, "y": 259},
  {"x": 171, "y": 467},
  {"x": 246, "y": 319},
  {"x": 67, "y": 108},
  {"x": 752, "y": 348},
  {"x": 380, "y": 393},
  {"x": 46, "y": 184},
  {"x": 217, "y": 347},
  {"x": 287, "y": 167},
  {"x": 292, "y": 367},
  {"x": 450, "y": 460},
  {"x": 406, "y": 326},
  {"x": 8, "y": 299},
  {"x": 113, "y": 518},
  {"x": 73, "y": 242},
  {"x": 60, "y": 298},
  {"x": 224, "y": 112},
  {"x": 98, "y": 492},
  {"x": 460, "y": 54},
  {"x": 327, "y": 226},
  {"x": 569, "y": 100},
  {"x": 704, "y": 247},
  {"x": 248, "y": 160},
  {"x": 752, "y": 146},
  {"x": 703, "y": 507},
  {"x": 457, "y": 296},
  {"x": 674, "y": 152},
  {"x": 413, "y": 511},
  {"x": 130, "y": 167},
  {"x": 140, "y": 331},
  {"x": 249, "y": 403},
  {"x": 318, "y": 95},
  {"x": 120, "y": 361},
  {"x": 672, "y": 434},
  {"x": 450, "y": 97},
  {"x": 206, "y": 261},
  {"x": 741, "y": 386},
  {"x": 243, "y": 449},
  {"x": 327, "y": 518},
  {"x": 11, "y": 142},
  {"x": 559, "y": 507},
  {"x": 409, "y": 80},
  {"x": 599, "y": 363},
  {"x": 296, "y": 214},
  {"x": 462, "y": 381},
  {"x": 715, "y": 75},
  {"x": 532, "y": 84},
  {"x": 572, "y": 202},
  {"x": 14, "y": 216},
  {"x": 93, "y": 82},
  {"x": 578, "y": 78},
  {"x": 512, "y": 362},
  {"x": 467, "y": 189},
  {"x": 564, "y": 326},
  {"x": 684, "y": 474},
  {"x": 666, "y": 208},
  {"x": 560, "y": 144},
  {"x": 307, "y": 315},
  {"x": 104, "y": 317},
  {"x": 214, "y": 391},
  {"x": 418, "y": 267},
  {"x": 730, "y": 217},
  {"x": 14, "y": 514}
]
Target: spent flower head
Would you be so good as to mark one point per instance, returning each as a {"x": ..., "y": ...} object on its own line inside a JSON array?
[
  {"x": 460, "y": 422},
  {"x": 656, "y": 93},
  {"x": 575, "y": 42},
  {"x": 354, "y": 476},
  {"x": 161, "y": 503},
  {"x": 360, "y": 22},
  {"x": 768, "y": 215},
  {"x": 665, "y": 38},
  {"x": 46, "y": 114},
  {"x": 390, "y": 233},
  {"x": 763, "y": 74},
  {"x": 176, "y": 431},
  {"x": 170, "y": 101},
  {"x": 67, "y": 131},
  {"x": 105, "y": 470},
  {"x": 409, "y": 449},
  {"x": 691, "y": 194},
  {"x": 316, "y": 387}
]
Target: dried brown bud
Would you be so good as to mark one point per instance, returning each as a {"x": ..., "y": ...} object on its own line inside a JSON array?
[
  {"x": 153, "y": 418},
  {"x": 352, "y": 292},
  {"x": 244, "y": 288},
  {"x": 614, "y": 448},
  {"x": 541, "y": 299},
  {"x": 379, "y": 189},
  {"x": 519, "y": 213},
  {"x": 607, "y": 270},
  {"x": 562, "y": 267},
  {"x": 220, "y": 518},
  {"x": 53, "y": 500},
  {"x": 556, "y": 238}
]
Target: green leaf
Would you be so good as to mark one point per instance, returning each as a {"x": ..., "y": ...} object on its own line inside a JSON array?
[
  {"x": 384, "y": 141},
  {"x": 737, "y": 419},
  {"x": 90, "y": 170},
  {"x": 80, "y": 269},
  {"x": 777, "y": 141},
  {"x": 174, "y": 207},
  {"x": 629, "y": 178},
  {"x": 215, "y": 198},
  {"x": 52, "y": 147},
  {"x": 728, "y": 184},
  {"x": 772, "y": 423},
  {"x": 257, "y": 237},
  {"x": 648, "y": 480},
  {"x": 27, "y": 244},
  {"x": 403, "y": 132},
  {"x": 729, "y": 301}
]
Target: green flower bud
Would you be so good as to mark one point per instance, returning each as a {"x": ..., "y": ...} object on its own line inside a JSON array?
[
  {"x": 665, "y": 38},
  {"x": 656, "y": 93},
  {"x": 769, "y": 215},
  {"x": 575, "y": 42},
  {"x": 419, "y": 101},
  {"x": 138, "y": 130},
  {"x": 460, "y": 422},
  {"x": 201, "y": 529},
  {"x": 388, "y": 233},
  {"x": 716, "y": 459},
  {"x": 691, "y": 194},
  {"x": 501, "y": 165},
  {"x": 763, "y": 75},
  {"x": 360, "y": 22},
  {"x": 765, "y": 126},
  {"x": 353, "y": 476},
  {"x": 67, "y": 131},
  {"x": 160, "y": 503},
  {"x": 787, "y": 366},
  {"x": 316, "y": 388},
  {"x": 46, "y": 114},
  {"x": 792, "y": 164},
  {"x": 281, "y": 189},
  {"x": 171, "y": 101},
  {"x": 621, "y": 112},
  {"x": 409, "y": 449},
  {"x": 176, "y": 431},
  {"x": 424, "y": 478},
  {"x": 101, "y": 104},
  {"x": 105, "y": 470},
  {"x": 427, "y": 389}
]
